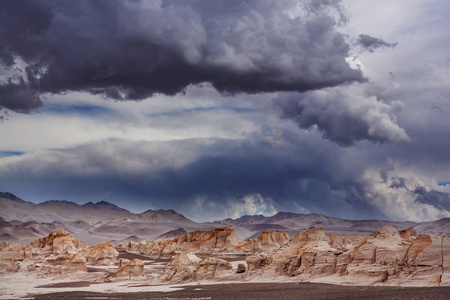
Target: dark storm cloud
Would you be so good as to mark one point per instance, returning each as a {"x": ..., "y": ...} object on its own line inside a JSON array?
[
  {"x": 398, "y": 182},
  {"x": 129, "y": 50},
  {"x": 432, "y": 197},
  {"x": 343, "y": 115},
  {"x": 371, "y": 43},
  {"x": 158, "y": 174},
  {"x": 19, "y": 97}
]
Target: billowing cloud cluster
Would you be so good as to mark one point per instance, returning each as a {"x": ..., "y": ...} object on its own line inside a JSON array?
[
  {"x": 129, "y": 50},
  {"x": 344, "y": 115}
]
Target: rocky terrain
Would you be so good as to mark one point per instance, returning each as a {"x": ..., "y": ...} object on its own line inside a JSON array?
[
  {"x": 122, "y": 250},
  {"x": 387, "y": 257},
  {"x": 384, "y": 257}
]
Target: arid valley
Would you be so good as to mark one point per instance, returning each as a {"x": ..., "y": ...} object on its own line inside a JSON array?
[{"x": 197, "y": 259}]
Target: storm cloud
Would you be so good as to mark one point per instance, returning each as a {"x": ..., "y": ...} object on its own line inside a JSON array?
[
  {"x": 130, "y": 50},
  {"x": 203, "y": 178},
  {"x": 371, "y": 43},
  {"x": 209, "y": 179},
  {"x": 256, "y": 106},
  {"x": 344, "y": 116}
]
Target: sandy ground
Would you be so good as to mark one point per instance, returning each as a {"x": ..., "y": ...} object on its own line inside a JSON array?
[
  {"x": 270, "y": 291},
  {"x": 90, "y": 285}
]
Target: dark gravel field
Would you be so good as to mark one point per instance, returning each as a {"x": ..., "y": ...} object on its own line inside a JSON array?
[{"x": 272, "y": 291}]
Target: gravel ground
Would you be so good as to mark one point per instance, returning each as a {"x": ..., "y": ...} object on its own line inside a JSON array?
[{"x": 272, "y": 291}]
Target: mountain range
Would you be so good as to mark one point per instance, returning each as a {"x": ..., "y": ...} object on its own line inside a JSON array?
[{"x": 23, "y": 221}]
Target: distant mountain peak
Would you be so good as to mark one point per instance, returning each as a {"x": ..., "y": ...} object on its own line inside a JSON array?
[
  {"x": 10, "y": 196},
  {"x": 58, "y": 202},
  {"x": 102, "y": 205}
]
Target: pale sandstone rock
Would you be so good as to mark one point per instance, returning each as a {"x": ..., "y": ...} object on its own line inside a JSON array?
[
  {"x": 188, "y": 267},
  {"x": 214, "y": 268},
  {"x": 133, "y": 270},
  {"x": 380, "y": 258},
  {"x": 76, "y": 263},
  {"x": 408, "y": 234},
  {"x": 102, "y": 254},
  {"x": 181, "y": 268},
  {"x": 266, "y": 240},
  {"x": 217, "y": 240}
]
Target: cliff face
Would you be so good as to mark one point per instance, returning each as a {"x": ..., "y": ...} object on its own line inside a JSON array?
[{"x": 380, "y": 258}]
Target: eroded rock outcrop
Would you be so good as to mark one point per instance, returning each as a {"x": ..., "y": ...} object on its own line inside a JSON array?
[
  {"x": 181, "y": 268},
  {"x": 59, "y": 252},
  {"x": 217, "y": 240},
  {"x": 55, "y": 250},
  {"x": 387, "y": 256},
  {"x": 267, "y": 240},
  {"x": 188, "y": 267},
  {"x": 102, "y": 254},
  {"x": 130, "y": 270}
]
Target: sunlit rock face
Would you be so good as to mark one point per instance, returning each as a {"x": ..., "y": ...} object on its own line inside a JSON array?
[
  {"x": 267, "y": 240},
  {"x": 76, "y": 263},
  {"x": 385, "y": 257},
  {"x": 59, "y": 252},
  {"x": 102, "y": 254},
  {"x": 188, "y": 267},
  {"x": 133, "y": 269},
  {"x": 217, "y": 240}
]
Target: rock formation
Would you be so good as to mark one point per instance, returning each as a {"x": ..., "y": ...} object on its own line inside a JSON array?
[
  {"x": 188, "y": 267},
  {"x": 130, "y": 270},
  {"x": 386, "y": 257},
  {"x": 214, "y": 241},
  {"x": 59, "y": 252},
  {"x": 267, "y": 240},
  {"x": 382, "y": 257},
  {"x": 102, "y": 254}
]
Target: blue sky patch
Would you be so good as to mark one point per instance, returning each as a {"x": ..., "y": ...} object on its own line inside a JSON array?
[
  {"x": 89, "y": 110},
  {"x": 10, "y": 153}
]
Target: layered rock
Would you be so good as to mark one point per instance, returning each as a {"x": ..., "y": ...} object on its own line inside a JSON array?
[
  {"x": 267, "y": 240},
  {"x": 76, "y": 263},
  {"x": 102, "y": 254},
  {"x": 55, "y": 249},
  {"x": 386, "y": 256},
  {"x": 163, "y": 248},
  {"x": 130, "y": 270},
  {"x": 181, "y": 268},
  {"x": 188, "y": 267},
  {"x": 217, "y": 240},
  {"x": 58, "y": 252}
]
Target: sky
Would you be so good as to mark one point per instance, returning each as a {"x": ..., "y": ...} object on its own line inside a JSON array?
[{"x": 224, "y": 108}]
